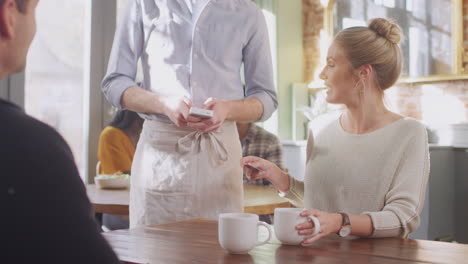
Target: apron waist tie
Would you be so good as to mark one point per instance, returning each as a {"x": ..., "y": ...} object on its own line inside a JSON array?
[{"x": 197, "y": 141}]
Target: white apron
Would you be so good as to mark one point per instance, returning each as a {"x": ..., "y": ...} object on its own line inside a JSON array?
[{"x": 179, "y": 173}]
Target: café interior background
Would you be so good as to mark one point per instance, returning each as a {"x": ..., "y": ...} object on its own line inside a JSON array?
[{"x": 67, "y": 61}]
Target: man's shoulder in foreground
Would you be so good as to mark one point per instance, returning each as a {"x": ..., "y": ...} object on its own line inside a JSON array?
[
  {"x": 31, "y": 147},
  {"x": 44, "y": 196},
  {"x": 22, "y": 131}
]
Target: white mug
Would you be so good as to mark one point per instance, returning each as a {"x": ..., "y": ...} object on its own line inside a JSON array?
[
  {"x": 237, "y": 232},
  {"x": 285, "y": 221}
]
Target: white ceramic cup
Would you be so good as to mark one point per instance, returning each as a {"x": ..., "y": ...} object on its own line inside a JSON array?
[
  {"x": 285, "y": 221},
  {"x": 237, "y": 232}
]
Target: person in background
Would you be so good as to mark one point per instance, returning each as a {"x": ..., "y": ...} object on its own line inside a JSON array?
[
  {"x": 367, "y": 170},
  {"x": 116, "y": 149},
  {"x": 191, "y": 54},
  {"x": 47, "y": 217},
  {"x": 258, "y": 142},
  {"x": 118, "y": 141}
]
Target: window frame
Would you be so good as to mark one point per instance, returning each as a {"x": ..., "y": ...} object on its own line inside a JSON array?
[
  {"x": 458, "y": 72},
  {"x": 101, "y": 28}
]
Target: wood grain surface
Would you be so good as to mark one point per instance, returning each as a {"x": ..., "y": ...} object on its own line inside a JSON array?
[
  {"x": 196, "y": 241},
  {"x": 257, "y": 200}
]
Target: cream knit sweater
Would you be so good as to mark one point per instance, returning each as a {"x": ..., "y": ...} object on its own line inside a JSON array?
[{"x": 383, "y": 174}]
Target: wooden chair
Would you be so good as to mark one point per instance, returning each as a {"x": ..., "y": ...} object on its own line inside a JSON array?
[{"x": 98, "y": 167}]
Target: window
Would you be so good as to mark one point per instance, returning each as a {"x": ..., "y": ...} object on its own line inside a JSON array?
[
  {"x": 55, "y": 71},
  {"x": 426, "y": 25}
]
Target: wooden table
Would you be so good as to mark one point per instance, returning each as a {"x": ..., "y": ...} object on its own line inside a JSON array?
[
  {"x": 196, "y": 241},
  {"x": 257, "y": 200},
  {"x": 262, "y": 200}
]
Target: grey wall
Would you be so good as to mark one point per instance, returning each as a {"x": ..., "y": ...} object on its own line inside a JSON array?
[
  {"x": 445, "y": 213},
  {"x": 442, "y": 195},
  {"x": 437, "y": 216},
  {"x": 461, "y": 195}
]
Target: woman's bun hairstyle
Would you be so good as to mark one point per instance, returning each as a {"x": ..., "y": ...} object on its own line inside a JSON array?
[
  {"x": 376, "y": 45},
  {"x": 386, "y": 29}
]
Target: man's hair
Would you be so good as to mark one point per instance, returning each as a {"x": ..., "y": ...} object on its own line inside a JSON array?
[
  {"x": 124, "y": 119},
  {"x": 20, "y": 3}
]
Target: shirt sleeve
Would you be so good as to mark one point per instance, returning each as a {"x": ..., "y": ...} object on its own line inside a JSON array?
[
  {"x": 126, "y": 50},
  {"x": 405, "y": 198},
  {"x": 258, "y": 69}
]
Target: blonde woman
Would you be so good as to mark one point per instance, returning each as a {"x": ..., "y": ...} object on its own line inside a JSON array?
[{"x": 367, "y": 171}]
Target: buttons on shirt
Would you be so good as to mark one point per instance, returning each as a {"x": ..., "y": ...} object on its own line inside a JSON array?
[
  {"x": 195, "y": 56},
  {"x": 197, "y": 29},
  {"x": 194, "y": 83}
]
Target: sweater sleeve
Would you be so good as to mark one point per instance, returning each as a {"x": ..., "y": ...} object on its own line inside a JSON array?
[
  {"x": 295, "y": 194},
  {"x": 405, "y": 198}
]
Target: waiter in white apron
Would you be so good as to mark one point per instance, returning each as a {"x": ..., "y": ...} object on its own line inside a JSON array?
[{"x": 191, "y": 53}]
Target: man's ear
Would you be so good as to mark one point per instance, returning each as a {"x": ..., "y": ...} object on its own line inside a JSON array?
[{"x": 7, "y": 18}]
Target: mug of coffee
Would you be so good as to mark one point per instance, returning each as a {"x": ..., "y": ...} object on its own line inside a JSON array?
[
  {"x": 237, "y": 232},
  {"x": 285, "y": 221}
]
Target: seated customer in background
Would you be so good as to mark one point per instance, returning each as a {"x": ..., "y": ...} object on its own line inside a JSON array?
[
  {"x": 258, "y": 142},
  {"x": 367, "y": 170},
  {"x": 46, "y": 214},
  {"x": 116, "y": 149},
  {"x": 118, "y": 141}
]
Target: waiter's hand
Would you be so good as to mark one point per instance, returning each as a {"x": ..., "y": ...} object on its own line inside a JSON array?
[
  {"x": 220, "y": 110},
  {"x": 177, "y": 109}
]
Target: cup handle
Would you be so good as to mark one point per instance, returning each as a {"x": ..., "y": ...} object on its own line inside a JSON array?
[
  {"x": 259, "y": 243},
  {"x": 316, "y": 224}
]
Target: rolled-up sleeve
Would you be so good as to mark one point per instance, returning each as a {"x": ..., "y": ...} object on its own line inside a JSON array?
[
  {"x": 126, "y": 50},
  {"x": 258, "y": 69},
  {"x": 405, "y": 198}
]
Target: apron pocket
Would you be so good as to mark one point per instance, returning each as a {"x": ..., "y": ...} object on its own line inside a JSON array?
[
  {"x": 171, "y": 172},
  {"x": 163, "y": 207}
]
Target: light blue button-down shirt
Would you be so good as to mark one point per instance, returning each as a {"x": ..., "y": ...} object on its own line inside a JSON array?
[{"x": 194, "y": 54}]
